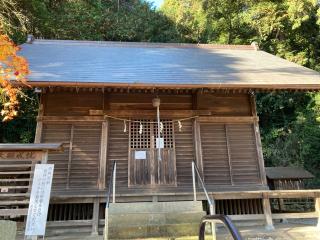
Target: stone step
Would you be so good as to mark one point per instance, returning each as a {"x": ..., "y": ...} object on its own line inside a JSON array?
[
  {"x": 139, "y": 219},
  {"x": 155, "y": 207},
  {"x": 154, "y": 231},
  {"x": 154, "y": 219}
]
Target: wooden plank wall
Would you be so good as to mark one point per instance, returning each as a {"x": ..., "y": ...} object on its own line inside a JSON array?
[
  {"x": 184, "y": 153},
  {"x": 78, "y": 165},
  {"x": 118, "y": 151},
  {"x": 228, "y": 152}
]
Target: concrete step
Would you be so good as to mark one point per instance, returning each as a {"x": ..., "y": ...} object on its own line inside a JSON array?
[
  {"x": 155, "y": 207},
  {"x": 154, "y": 231},
  {"x": 154, "y": 219},
  {"x": 138, "y": 219}
]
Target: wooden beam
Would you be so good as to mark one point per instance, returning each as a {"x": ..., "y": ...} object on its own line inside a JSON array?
[
  {"x": 37, "y": 138},
  {"x": 14, "y": 212},
  {"x": 229, "y": 153},
  {"x": 251, "y": 217},
  {"x": 63, "y": 119},
  {"x": 217, "y": 86},
  {"x": 229, "y": 119},
  {"x": 70, "y": 156},
  {"x": 262, "y": 169},
  {"x": 103, "y": 154},
  {"x": 197, "y": 146},
  {"x": 30, "y": 147},
  {"x": 153, "y": 113}
]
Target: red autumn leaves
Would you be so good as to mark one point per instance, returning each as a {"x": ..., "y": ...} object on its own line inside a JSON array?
[{"x": 13, "y": 72}]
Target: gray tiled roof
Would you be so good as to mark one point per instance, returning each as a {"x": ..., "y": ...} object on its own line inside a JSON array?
[
  {"x": 107, "y": 63},
  {"x": 287, "y": 173}
]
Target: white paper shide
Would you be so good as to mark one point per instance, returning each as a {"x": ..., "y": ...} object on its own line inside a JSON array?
[{"x": 39, "y": 200}]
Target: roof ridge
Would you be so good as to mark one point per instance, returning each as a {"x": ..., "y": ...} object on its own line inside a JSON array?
[{"x": 144, "y": 44}]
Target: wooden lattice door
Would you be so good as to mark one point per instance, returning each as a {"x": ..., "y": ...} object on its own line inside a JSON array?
[{"x": 144, "y": 166}]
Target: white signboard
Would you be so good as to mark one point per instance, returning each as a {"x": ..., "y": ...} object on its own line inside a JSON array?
[
  {"x": 39, "y": 200},
  {"x": 159, "y": 143},
  {"x": 140, "y": 155}
]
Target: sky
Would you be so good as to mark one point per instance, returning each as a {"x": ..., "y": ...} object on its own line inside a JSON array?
[{"x": 156, "y": 3}]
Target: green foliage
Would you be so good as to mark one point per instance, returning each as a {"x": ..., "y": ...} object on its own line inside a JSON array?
[
  {"x": 290, "y": 130},
  {"x": 188, "y": 16},
  {"x": 22, "y": 128},
  {"x": 132, "y": 20}
]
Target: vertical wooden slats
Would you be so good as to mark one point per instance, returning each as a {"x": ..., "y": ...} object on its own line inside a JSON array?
[
  {"x": 118, "y": 150},
  {"x": 78, "y": 165},
  {"x": 84, "y": 170},
  {"x": 229, "y": 154},
  {"x": 185, "y": 154},
  {"x": 215, "y": 154},
  {"x": 245, "y": 165},
  {"x": 53, "y": 133}
]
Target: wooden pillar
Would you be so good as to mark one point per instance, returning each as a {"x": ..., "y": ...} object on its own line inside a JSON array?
[
  {"x": 262, "y": 170},
  {"x": 267, "y": 212},
  {"x": 197, "y": 145},
  {"x": 45, "y": 157},
  {"x": 95, "y": 217},
  {"x": 317, "y": 208},
  {"x": 103, "y": 155},
  {"x": 37, "y": 138}
]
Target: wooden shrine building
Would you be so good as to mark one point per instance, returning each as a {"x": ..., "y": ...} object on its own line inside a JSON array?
[{"x": 97, "y": 99}]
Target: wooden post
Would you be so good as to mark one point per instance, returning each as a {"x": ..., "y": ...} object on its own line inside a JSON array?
[
  {"x": 103, "y": 155},
  {"x": 45, "y": 157},
  {"x": 267, "y": 212},
  {"x": 258, "y": 141},
  {"x": 70, "y": 155},
  {"x": 317, "y": 208},
  {"x": 197, "y": 144},
  {"x": 95, "y": 217},
  {"x": 37, "y": 138}
]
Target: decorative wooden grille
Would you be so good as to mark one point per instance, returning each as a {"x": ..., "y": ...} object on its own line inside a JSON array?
[
  {"x": 167, "y": 133},
  {"x": 142, "y": 140},
  {"x": 150, "y": 133}
]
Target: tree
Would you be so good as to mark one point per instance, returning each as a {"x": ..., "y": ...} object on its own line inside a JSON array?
[
  {"x": 11, "y": 18},
  {"x": 12, "y": 68},
  {"x": 188, "y": 16}
]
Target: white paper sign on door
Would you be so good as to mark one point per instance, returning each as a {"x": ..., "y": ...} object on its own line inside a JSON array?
[
  {"x": 39, "y": 200},
  {"x": 159, "y": 143},
  {"x": 140, "y": 155}
]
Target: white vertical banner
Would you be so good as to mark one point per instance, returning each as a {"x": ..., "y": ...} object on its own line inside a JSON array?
[{"x": 39, "y": 200}]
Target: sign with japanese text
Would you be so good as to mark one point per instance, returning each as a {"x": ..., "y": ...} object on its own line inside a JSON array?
[
  {"x": 20, "y": 155},
  {"x": 39, "y": 200}
]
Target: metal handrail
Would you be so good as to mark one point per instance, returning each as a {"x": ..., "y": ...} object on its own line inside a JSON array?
[
  {"x": 210, "y": 200},
  {"x": 194, "y": 167},
  {"x": 112, "y": 184},
  {"x": 222, "y": 218}
]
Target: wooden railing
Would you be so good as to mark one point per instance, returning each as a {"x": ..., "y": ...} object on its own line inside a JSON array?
[
  {"x": 17, "y": 163},
  {"x": 265, "y": 196}
]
